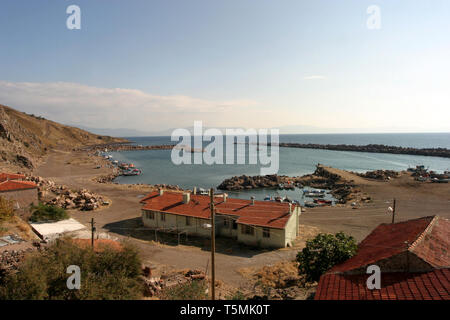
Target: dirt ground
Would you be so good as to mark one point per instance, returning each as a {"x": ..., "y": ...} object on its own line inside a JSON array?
[{"x": 122, "y": 218}]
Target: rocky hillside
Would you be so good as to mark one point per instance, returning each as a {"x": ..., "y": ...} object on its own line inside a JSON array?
[{"x": 25, "y": 138}]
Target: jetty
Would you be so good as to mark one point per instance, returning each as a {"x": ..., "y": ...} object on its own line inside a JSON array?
[{"x": 372, "y": 148}]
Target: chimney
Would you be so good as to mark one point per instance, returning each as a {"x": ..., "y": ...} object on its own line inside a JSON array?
[
  {"x": 225, "y": 196},
  {"x": 253, "y": 200},
  {"x": 290, "y": 207},
  {"x": 161, "y": 192},
  {"x": 194, "y": 191},
  {"x": 186, "y": 197}
]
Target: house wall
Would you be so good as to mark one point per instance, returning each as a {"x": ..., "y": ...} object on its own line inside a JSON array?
[
  {"x": 291, "y": 228},
  {"x": 22, "y": 198},
  {"x": 279, "y": 238},
  {"x": 177, "y": 222},
  {"x": 276, "y": 239}
]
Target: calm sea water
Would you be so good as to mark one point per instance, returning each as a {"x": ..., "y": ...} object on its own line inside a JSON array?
[{"x": 158, "y": 168}]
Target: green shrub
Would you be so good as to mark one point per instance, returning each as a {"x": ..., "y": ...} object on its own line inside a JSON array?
[
  {"x": 323, "y": 252},
  {"x": 238, "y": 295},
  {"x": 110, "y": 274},
  {"x": 192, "y": 290},
  {"x": 44, "y": 212}
]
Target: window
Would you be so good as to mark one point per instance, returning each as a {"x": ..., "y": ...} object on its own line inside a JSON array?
[
  {"x": 163, "y": 216},
  {"x": 225, "y": 222},
  {"x": 188, "y": 221},
  {"x": 234, "y": 225},
  {"x": 247, "y": 230},
  {"x": 150, "y": 215},
  {"x": 266, "y": 233}
]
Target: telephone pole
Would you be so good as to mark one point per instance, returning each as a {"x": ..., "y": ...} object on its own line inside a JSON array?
[
  {"x": 393, "y": 212},
  {"x": 213, "y": 246},
  {"x": 92, "y": 232}
]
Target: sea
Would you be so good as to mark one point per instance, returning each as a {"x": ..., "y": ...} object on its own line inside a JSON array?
[{"x": 158, "y": 168}]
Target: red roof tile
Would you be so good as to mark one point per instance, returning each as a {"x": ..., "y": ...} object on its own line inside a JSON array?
[
  {"x": 388, "y": 240},
  {"x": 13, "y": 185},
  {"x": 11, "y": 176},
  {"x": 262, "y": 213},
  {"x": 394, "y": 286}
]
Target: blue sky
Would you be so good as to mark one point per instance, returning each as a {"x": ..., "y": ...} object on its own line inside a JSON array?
[{"x": 152, "y": 65}]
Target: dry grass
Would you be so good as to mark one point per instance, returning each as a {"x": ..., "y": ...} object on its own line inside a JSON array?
[
  {"x": 15, "y": 225},
  {"x": 279, "y": 275}
]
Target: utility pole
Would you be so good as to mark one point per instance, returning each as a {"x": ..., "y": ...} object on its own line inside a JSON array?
[
  {"x": 213, "y": 246},
  {"x": 92, "y": 232},
  {"x": 393, "y": 212}
]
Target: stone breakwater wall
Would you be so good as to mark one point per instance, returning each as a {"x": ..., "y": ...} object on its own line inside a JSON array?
[{"x": 373, "y": 148}]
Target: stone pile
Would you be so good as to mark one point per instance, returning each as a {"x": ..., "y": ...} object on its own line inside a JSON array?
[
  {"x": 10, "y": 259},
  {"x": 83, "y": 200},
  {"x": 63, "y": 197},
  {"x": 380, "y": 174},
  {"x": 252, "y": 182}
]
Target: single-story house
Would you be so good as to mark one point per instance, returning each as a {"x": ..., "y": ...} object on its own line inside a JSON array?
[
  {"x": 256, "y": 223},
  {"x": 413, "y": 259},
  {"x": 23, "y": 193}
]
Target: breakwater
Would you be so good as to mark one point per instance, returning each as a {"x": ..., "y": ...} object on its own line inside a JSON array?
[{"x": 372, "y": 148}]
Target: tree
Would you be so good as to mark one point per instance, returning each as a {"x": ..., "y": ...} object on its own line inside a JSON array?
[
  {"x": 44, "y": 212},
  {"x": 324, "y": 252},
  {"x": 107, "y": 274}
]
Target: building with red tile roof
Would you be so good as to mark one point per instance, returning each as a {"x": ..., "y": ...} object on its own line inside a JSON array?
[
  {"x": 261, "y": 223},
  {"x": 14, "y": 185},
  {"x": 23, "y": 193},
  {"x": 431, "y": 285},
  {"x": 413, "y": 259},
  {"x": 11, "y": 176}
]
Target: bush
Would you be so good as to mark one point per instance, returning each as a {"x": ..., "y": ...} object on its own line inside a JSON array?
[
  {"x": 109, "y": 274},
  {"x": 324, "y": 252},
  {"x": 44, "y": 212},
  {"x": 192, "y": 290},
  {"x": 238, "y": 295},
  {"x": 6, "y": 209}
]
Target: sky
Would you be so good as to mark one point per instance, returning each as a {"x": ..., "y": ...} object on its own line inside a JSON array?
[{"x": 311, "y": 66}]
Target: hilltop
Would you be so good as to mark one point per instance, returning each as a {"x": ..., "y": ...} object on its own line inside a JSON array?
[{"x": 25, "y": 138}]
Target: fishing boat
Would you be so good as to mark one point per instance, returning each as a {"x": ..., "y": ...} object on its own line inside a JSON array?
[
  {"x": 279, "y": 199},
  {"x": 267, "y": 198},
  {"x": 123, "y": 165},
  {"x": 314, "y": 194},
  {"x": 134, "y": 172},
  {"x": 115, "y": 162},
  {"x": 323, "y": 202},
  {"x": 310, "y": 204}
]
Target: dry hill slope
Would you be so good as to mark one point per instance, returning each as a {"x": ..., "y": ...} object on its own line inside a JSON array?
[{"x": 25, "y": 138}]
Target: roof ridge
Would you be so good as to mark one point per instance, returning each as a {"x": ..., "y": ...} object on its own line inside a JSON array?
[{"x": 423, "y": 233}]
